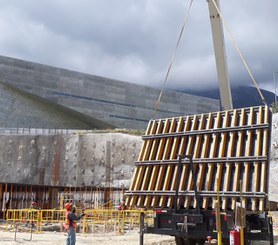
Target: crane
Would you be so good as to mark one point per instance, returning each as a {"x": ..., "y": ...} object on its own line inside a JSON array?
[
  {"x": 179, "y": 186},
  {"x": 220, "y": 56}
]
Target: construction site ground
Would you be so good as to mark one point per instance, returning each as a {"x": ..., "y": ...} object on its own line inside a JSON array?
[
  {"x": 110, "y": 238},
  {"x": 59, "y": 238},
  {"x": 54, "y": 235}
]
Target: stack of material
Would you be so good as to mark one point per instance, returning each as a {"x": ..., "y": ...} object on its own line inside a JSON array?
[{"x": 232, "y": 146}]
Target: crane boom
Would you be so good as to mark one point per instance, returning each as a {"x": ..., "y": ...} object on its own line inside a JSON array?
[{"x": 220, "y": 56}]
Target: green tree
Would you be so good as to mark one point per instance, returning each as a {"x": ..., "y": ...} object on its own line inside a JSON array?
[{"x": 274, "y": 107}]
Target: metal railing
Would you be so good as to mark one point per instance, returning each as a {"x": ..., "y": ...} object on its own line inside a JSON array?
[
  {"x": 109, "y": 220},
  {"x": 41, "y": 131}
]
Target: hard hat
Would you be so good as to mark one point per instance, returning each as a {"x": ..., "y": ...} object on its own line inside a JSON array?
[
  {"x": 68, "y": 205},
  {"x": 34, "y": 203}
]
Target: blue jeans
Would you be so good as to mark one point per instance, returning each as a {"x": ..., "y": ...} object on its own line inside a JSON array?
[{"x": 71, "y": 236}]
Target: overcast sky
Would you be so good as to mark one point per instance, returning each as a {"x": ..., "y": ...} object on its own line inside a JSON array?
[{"x": 133, "y": 40}]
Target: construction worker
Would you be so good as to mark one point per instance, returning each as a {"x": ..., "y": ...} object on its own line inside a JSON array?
[
  {"x": 122, "y": 206},
  {"x": 32, "y": 214},
  {"x": 34, "y": 205},
  {"x": 71, "y": 219},
  {"x": 68, "y": 207}
]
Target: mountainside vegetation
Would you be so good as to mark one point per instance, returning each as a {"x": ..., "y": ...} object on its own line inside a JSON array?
[{"x": 243, "y": 96}]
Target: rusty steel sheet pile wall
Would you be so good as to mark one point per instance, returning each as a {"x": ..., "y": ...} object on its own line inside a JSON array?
[{"x": 231, "y": 145}]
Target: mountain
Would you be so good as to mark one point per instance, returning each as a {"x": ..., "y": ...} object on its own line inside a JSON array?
[{"x": 243, "y": 96}]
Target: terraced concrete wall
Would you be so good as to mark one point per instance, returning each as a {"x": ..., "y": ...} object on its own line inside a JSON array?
[
  {"x": 76, "y": 160},
  {"x": 121, "y": 104},
  {"x": 24, "y": 110}
]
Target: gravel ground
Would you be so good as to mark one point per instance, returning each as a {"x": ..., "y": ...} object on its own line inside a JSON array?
[{"x": 59, "y": 238}]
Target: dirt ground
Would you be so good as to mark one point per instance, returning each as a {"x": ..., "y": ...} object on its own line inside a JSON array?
[{"x": 59, "y": 238}]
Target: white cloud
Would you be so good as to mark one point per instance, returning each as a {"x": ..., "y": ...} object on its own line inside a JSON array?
[{"x": 133, "y": 40}]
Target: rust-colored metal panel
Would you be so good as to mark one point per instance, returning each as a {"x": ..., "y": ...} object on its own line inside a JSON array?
[
  {"x": 56, "y": 160},
  {"x": 230, "y": 145}
]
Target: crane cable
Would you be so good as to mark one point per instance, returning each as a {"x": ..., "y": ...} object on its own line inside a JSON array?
[
  {"x": 239, "y": 52},
  {"x": 172, "y": 60}
]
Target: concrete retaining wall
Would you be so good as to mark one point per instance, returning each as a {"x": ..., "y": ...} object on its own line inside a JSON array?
[{"x": 76, "y": 160}]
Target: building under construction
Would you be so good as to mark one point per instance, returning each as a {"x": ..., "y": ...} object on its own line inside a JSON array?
[{"x": 50, "y": 148}]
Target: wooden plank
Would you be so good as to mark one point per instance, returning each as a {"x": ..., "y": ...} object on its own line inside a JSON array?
[
  {"x": 186, "y": 146},
  {"x": 230, "y": 153},
  {"x": 150, "y": 155},
  {"x": 189, "y": 151},
  {"x": 196, "y": 153},
  {"x": 221, "y": 153},
  {"x": 247, "y": 176},
  {"x": 146, "y": 153},
  {"x": 239, "y": 153},
  {"x": 204, "y": 154},
  {"x": 176, "y": 150},
  {"x": 160, "y": 156},
  {"x": 131, "y": 201},
  {"x": 154, "y": 171},
  {"x": 145, "y": 145},
  {"x": 212, "y": 154},
  {"x": 144, "y": 172},
  {"x": 139, "y": 170},
  {"x": 167, "y": 151},
  {"x": 265, "y": 149},
  {"x": 258, "y": 152}
]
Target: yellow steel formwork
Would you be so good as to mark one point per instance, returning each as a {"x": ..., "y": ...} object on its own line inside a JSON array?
[{"x": 230, "y": 145}]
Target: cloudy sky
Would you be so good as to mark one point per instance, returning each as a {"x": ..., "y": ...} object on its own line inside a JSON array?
[{"x": 133, "y": 40}]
